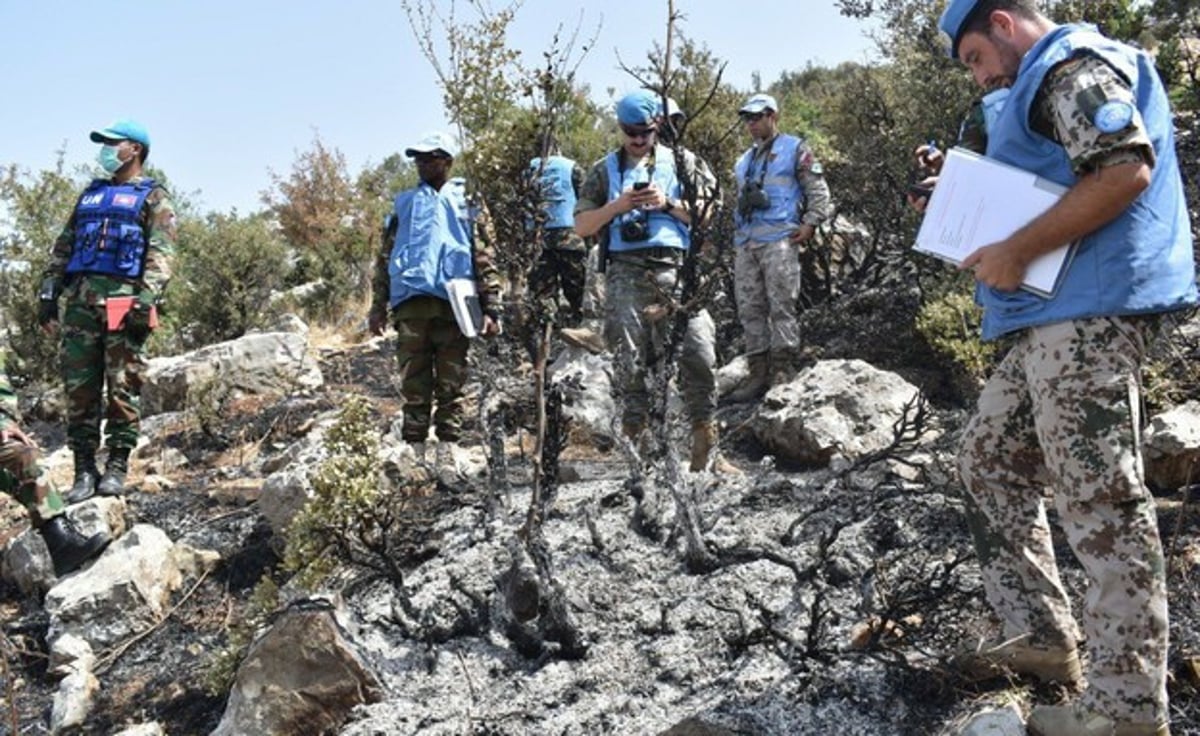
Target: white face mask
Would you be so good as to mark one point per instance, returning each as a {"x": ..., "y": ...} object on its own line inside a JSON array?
[{"x": 109, "y": 160}]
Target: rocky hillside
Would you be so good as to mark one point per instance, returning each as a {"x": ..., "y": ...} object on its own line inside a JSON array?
[{"x": 823, "y": 591}]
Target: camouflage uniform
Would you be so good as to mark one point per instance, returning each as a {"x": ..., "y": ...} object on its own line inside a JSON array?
[
  {"x": 1063, "y": 409},
  {"x": 102, "y": 370},
  {"x": 431, "y": 350},
  {"x": 561, "y": 265},
  {"x": 767, "y": 275},
  {"x": 634, "y": 282},
  {"x": 21, "y": 475}
]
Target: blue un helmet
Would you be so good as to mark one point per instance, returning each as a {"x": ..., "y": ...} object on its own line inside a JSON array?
[{"x": 953, "y": 21}]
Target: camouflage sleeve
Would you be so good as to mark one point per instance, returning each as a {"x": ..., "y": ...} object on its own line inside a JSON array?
[
  {"x": 594, "y": 192},
  {"x": 1089, "y": 108},
  {"x": 10, "y": 414},
  {"x": 577, "y": 177},
  {"x": 811, "y": 176},
  {"x": 60, "y": 253},
  {"x": 381, "y": 282},
  {"x": 972, "y": 132},
  {"x": 160, "y": 249},
  {"x": 487, "y": 275}
]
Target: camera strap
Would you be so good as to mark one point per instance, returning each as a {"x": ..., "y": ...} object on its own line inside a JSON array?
[{"x": 765, "y": 158}]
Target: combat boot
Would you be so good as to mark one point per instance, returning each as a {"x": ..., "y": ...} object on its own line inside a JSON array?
[
  {"x": 68, "y": 548},
  {"x": 1074, "y": 720},
  {"x": 86, "y": 476},
  {"x": 1049, "y": 664},
  {"x": 784, "y": 363},
  {"x": 704, "y": 445},
  {"x": 582, "y": 337},
  {"x": 755, "y": 384},
  {"x": 113, "y": 482}
]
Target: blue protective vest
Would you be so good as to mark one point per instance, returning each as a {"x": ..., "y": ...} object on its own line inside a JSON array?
[
  {"x": 776, "y": 171},
  {"x": 109, "y": 238},
  {"x": 1141, "y": 262},
  {"x": 433, "y": 241},
  {"x": 557, "y": 191},
  {"x": 665, "y": 230}
]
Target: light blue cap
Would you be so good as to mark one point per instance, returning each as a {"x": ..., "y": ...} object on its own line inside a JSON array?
[
  {"x": 954, "y": 17},
  {"x": 759, "y": 102},
  {"x": 431, "y": 142},
  {"x": 122, "y": 130},
  {"x": 639, "y": 107}
]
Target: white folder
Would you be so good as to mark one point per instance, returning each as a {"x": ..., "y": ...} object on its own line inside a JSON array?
[{"x": 979, "y": 201}]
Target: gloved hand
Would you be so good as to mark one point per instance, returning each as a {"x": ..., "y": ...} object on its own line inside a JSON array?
[
  {"x": 137, "y": 322},
  {"x": 47, "y": 312}
]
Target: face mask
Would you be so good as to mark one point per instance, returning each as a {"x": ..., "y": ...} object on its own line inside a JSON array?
[{"x": 108, "y": 159}]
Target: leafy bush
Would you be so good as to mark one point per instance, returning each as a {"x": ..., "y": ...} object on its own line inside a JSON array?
[
  {"x": 221, "y": 669},
  {"x": 950, "y": 324},
  {"x": 351, "y": 520},
  {"x": 227, "y": 267}
]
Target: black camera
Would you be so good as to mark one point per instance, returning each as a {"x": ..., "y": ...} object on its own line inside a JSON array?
[{"x": 635, "y": 230}]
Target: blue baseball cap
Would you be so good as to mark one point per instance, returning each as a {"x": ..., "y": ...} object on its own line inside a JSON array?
[
  {"x": 954, "y": 19},
  {"x": 639, "y": 107},
  {"x": 758, "y": 103},
  {"x": 122, "y": 130},
  {"x": 432, "y": 143}
]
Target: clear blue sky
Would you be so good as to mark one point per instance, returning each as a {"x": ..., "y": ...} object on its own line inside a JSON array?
[{"x": 232, "y": 89}]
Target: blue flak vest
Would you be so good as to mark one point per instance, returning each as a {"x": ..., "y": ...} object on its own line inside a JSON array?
[
  {"x": 665, "y": 230},
  {"x": 433, "y": 241},
  {"x": 109, "y": 237},
  {"x": 557, "y": 192},
  {"x": 776, "y": 171},
  {"x": 1139, "y": 263}
]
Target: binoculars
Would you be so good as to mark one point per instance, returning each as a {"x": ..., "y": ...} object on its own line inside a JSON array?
[{"x": 752, "y": 198}]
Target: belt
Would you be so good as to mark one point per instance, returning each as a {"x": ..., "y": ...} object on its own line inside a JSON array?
[{"x": 656, "y": 253}]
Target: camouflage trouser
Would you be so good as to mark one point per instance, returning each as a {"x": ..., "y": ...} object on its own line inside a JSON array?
[
  {"x": 102, "y": 372},
  {"x": 432, "y": 354},
  {"x": 22, "y": 478},
  {"x": 1062, "y": 409},
  {"x": 557, "y": 269},
  {"x": 766, "y": 278},
  {"x": 633, "y": 285}
]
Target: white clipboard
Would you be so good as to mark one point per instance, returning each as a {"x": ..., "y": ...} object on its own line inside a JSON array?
[
  {"x": 464, "y": 300},
  {"x": 979, "y": 201}
]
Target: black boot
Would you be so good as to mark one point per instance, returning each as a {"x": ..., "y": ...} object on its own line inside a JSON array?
[
  {"x": 86, "y": 476},
  {"x": 113, "y": 482},
  {"x": 68, "y": 548}
]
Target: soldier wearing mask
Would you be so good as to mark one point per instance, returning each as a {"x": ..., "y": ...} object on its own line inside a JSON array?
[{"x": 112, "y": 263}]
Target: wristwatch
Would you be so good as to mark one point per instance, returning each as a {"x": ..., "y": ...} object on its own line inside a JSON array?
[{"x": 669, "y": 206}]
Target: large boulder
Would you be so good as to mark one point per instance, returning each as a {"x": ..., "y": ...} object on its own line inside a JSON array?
[
  {"x": 126, "y": 590},
  {"x": 836, "y": 408},
  {"x": 301, "y": 677},
  {"x": 262, "y": 363}
]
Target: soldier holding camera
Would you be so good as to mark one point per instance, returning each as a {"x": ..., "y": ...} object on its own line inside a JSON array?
[
  {"x": 633, "y": 197},
  {"x": 782, "y": 197}
]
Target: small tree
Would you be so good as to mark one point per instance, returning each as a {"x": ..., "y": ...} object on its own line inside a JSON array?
[
  {"x": 35, "y": 209},
  {"x": 227, "y": 267}
]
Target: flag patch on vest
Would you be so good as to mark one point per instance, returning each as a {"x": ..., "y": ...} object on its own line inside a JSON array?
[{"x": 124, "y": 200}]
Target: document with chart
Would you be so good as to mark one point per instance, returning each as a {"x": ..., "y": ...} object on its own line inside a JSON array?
[{"x": 979, "y": 201}]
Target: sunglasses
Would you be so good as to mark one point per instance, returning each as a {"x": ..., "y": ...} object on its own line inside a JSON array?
[
  {"x": 752, "y": 117},
  {"x": 636, "y": 133}
]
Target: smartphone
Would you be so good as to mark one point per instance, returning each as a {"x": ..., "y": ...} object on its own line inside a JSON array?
[
  {"x": 918, "y": 191},
  {"x": 639, "y": 185}
]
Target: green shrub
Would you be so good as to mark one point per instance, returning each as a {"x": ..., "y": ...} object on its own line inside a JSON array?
[
  {"x": 950, "y": 324},
  {"x": 221, "y": 669}
]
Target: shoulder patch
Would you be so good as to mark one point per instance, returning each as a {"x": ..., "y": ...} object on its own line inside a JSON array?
[{"x": 1113, "y": 116}]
